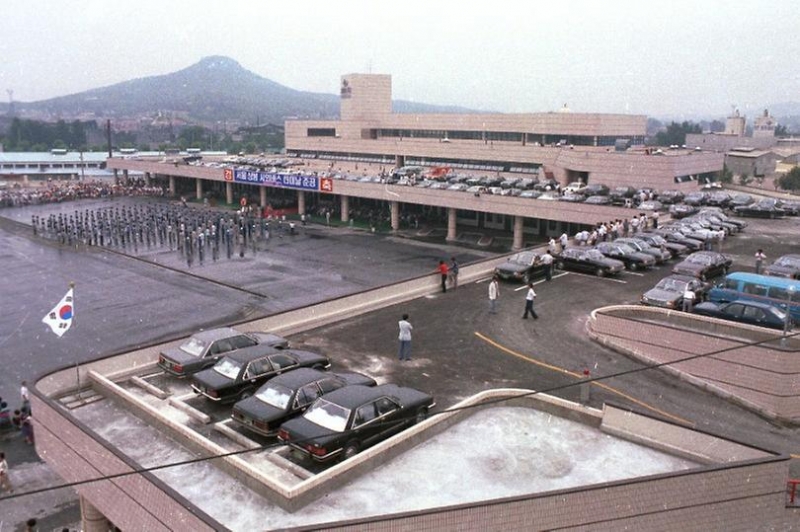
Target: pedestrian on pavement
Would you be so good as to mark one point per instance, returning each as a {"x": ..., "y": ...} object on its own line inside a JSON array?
[
  {"x": 760, "y": 256},
  {"x": 547, "y": 261},
  {"x": 453, "y": 273},
  {"x": 26, "y": 398},
  {"x": 688, "y": 299},
  {"x": 27, "y": 430},
  {"x": 551, "y": 246},
  {"x": 494, "y": 293},
  {"x": 5, "y": 481},
  {"x": 404, "y": 352},
  {"x": 529, "y": 303},
  {"x": 563, "y": 240},
  {"x": 444, "y": 272}
]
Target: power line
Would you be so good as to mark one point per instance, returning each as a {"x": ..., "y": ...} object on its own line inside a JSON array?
[{"x": 499, "y": 400}]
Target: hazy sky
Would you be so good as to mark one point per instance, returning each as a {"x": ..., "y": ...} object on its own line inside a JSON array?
[{"x": 654, "y": 58}]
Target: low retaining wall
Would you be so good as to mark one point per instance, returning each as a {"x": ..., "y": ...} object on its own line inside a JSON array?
[{"x": 752, "y": 366}]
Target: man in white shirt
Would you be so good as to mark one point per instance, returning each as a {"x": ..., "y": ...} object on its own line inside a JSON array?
[
  {"x": 688, "y": 299},
  {"x": 529, "y": 303},
  {"x": 404, "y": 352},
  {"x": 547, "y": 261},
  {"x": 494, "y": 293}
]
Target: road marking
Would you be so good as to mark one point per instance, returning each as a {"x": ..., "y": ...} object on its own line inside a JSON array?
[
  {"x": 604, "y": 278},
  {"x": 633, "y": 273},
  {"x": 540, "y": 281},
  {"x": 581, "y": 377}
]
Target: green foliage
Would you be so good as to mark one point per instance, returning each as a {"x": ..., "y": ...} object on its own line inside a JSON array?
[
  {"x": 25, "y": 135},
  {"x": 745, "y": 179},
  {"x": 781, "y": 131},
  {"x": 790, "y": 180},
  {"x": 676, "y": 133}
]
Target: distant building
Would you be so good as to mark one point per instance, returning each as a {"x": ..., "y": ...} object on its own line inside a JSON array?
[
  {"x": 764, "y": 126},
  {"x": 735, "y": 125},
  {"x": 752, "y": 162}
]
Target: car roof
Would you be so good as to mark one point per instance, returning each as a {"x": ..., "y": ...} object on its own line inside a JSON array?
[
  {"x": 211, "y": 335},
  {"x": 357, "y": 394},
  {"x": 253, "y": 352},
  {"x": 751, "y": 303},
  {"x": 685, "y": 278},
  {"x": 300, "y": 377}
]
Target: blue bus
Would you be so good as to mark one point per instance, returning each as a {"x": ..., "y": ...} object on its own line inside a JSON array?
[{"x": 777, "y": 291}]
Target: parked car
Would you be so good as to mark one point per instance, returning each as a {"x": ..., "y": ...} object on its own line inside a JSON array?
[
  {"x": 596, "y": 189},
  {"x": 671, "y": 234},
  {"x": 205, "y": 348},
  {"x": 287, "y": 395},
  {"x": 588, "y": 260},
  {"x": 661, "y": 255},
  {"x": 719, "y": 199},
  {"x": 704, "y": 265},
  {"x": 670, "y": 196},
  {"x": 660, "y": 242},
  {"x": 750, "y": 312},
  {"x": 521, "y": 267},
  {"x": 740, "y": 200},
  {"x": 572, "y": 198},
  {"x": 350, "y": 419},
  {"x": 785, "y": 266},
  {"x": 668, "y": 292},
  {"x": 719, "y": 213},
  {"x": 239, "y": 374},
  {"x": 791, "y": 207},
  {"x": 632, "y": 259},
  {"x": 682, "y": 210},
  {"x": 618, "y": 195},
  {"x": 533, "y": 194},
  {"x": 765, "y": 208},
  {"x": 575, "y": 187},
  {"x": 651, "y": 205},
  {"x": 696, "y": 198},
  {"x": 598, "y": 200}
]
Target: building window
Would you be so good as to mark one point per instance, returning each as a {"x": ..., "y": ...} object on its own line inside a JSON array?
[{"x": 321, "y": 132}]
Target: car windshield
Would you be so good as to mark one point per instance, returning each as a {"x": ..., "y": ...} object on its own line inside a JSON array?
[
  {"x": 671, "y": 285},
  {"x": 700, "y": 259},
  {"x": 193, "y": 346},
  {"x": 594, "y": 254},
  {"x": 792, "y": 262},
  {"x": 228, "y": 368},
  {"x": 275, "y": 395},
  {"x": 523, "y": 258},
  {"x": 329, "y": 415}
]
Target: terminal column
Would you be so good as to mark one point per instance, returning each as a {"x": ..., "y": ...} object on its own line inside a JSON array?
[
  {"x": 125, "y": 176},
  {"x": 147, "y": 179},
  {"x": 116, "y": 176},
  {"x": 171, "y": 185},
  {"x": 395, "y": 206},
  {"x": 451, "y": 224},
  {"x": 345, "y": 200},
  {"x": 199, "y": 186},
  {"x": 91, "y": 518},
  {"x": 517, "y": 242},
  {"x": 262, "y": 197},
  {"x": 229, "y": 193},
  {"x": 301, "y": 202}
]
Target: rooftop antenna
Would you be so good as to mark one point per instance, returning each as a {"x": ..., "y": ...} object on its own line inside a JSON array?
[{"x": 10, "y": 101}]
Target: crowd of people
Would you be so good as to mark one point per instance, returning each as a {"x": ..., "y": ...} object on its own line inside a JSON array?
[
  {"x": 60, "y": 191},
  {"x": 197, "y": 235}
]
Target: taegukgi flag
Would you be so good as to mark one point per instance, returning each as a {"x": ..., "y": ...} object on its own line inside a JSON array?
[{"x": 60, "y": 318}]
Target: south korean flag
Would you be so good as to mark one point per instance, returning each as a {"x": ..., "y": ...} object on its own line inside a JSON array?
[{"x": 60, "y": 318}]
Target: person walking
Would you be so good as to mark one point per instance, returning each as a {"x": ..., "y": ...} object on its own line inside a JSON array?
[
  {"x": 444, "y": 272},
  {"x": 453, "y": 273},
  {"x": 26, "y": 398},
  {"x": 529, "y": 303},
  {"x": 5, "y": 482},
  {"x": 404, "y": 352},
  {"x": 494, "y": 293},
  {"x": 547, "y": 261},
  {"x": 760, "y": 256},
  {"x": 563, "y": 240}
]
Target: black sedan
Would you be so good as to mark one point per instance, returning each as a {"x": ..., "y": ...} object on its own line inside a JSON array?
[
  {"x": 704, "y": 265},
  {"x": 352, "y": 418},
  {"x": 521, "y": 267},
  {"x": 750, "y": 312},
  {"x": 785, "y": 266},
  {"x": 289, "y": 394},
  {"x": 659, "y": 241},
  {"x": 766, "y": 208},
  {"x": 668, "y": 293},
  {"x": 661, "y": 255},
  {"x": 696, "y": 198},
  {"x": 588, "y": 260},
  {"x": 682, "y": 210},
  {"x": 632, "y": 259},
  {"x": 205, "y": 348},
  {"x": 239, "y": 374}
]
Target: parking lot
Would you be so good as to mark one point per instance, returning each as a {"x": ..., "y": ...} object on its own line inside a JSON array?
[{"x": 458, "y": 347}]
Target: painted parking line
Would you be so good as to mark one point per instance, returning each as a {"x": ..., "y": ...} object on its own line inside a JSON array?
[
  {"x": 604, "y": 278},
  {"x": 523, "y": 287},
  {"x": 638, "y": 274},
  {"x": 579, "y": 376}
]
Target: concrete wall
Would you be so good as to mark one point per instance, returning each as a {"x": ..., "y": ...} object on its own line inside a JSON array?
[{"x": 764, "y": 377}]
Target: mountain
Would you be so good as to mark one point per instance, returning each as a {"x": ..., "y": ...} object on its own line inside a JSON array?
[{"x": 214, "y": 89}]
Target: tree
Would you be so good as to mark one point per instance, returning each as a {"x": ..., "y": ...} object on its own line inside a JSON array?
[
  {"x": 745, "y": 179},
  {"x": 790, "y": 180},
  {"x": 675, "y": 133},
  {"x": 781, "y": 131}
]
